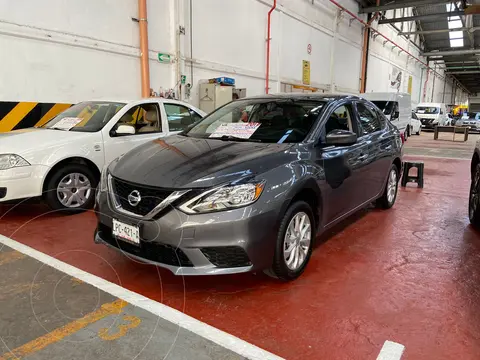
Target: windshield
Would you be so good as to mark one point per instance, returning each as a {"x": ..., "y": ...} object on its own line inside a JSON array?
[
  {"x": 427, "y": 110},
  {"x": 414, "y": 116},
  {"x": 260, "y": 120},
  {"x": 88, "y": 116},
  {"x": 385, "y": 106}
]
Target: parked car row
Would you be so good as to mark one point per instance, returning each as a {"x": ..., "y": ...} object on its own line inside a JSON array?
[{"x": 248, "y": 187}]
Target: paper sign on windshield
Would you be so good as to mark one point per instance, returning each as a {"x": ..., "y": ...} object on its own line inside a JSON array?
[
  {"x": 239, "y": 130},
  {"x": 67, "y": 123}
]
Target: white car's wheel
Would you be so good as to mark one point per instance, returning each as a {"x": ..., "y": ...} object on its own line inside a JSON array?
[{"x": 71, "y": 188}]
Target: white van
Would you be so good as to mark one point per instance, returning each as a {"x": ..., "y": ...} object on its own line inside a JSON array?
[
  {"x": 431, "y": 114},
  {"x": 396, "y": 106}
]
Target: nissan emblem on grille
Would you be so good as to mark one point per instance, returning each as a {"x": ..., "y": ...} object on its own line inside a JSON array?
[{"x": 134, "y": 198}]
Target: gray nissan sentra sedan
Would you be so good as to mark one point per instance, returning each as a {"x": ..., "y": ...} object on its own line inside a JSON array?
[{"x": 251, "y": 185}]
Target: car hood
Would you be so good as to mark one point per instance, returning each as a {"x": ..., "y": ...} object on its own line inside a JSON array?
[
  {"x": 26, "y": 142},
  {"x": 185, "y": 162}
]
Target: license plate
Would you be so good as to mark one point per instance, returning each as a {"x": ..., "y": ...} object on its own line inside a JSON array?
[{"x": 130, "y": 233}]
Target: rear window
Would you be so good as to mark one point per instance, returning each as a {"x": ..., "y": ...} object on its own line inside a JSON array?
[{"x": 387, "y": 107}]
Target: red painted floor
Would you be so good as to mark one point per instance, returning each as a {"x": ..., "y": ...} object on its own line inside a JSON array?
[{"x": 410, "y": 275}]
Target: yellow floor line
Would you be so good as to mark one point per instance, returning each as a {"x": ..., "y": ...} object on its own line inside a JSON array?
[
  {"x": 16, "y": 289},
  {"x": 10, "y": 256},
  {"x": 67, "y": 330}
]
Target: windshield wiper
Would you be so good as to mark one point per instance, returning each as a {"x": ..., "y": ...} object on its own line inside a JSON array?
[{"x": 235, "y": 138}]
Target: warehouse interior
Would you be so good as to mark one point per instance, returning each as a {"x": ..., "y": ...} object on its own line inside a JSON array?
[{"x": 254, "y": 179}]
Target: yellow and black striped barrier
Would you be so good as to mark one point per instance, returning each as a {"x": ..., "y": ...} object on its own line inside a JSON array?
[{"x": 19, "y": 115}]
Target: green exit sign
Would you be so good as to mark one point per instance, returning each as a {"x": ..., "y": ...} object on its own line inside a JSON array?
[{"x": 164, "y": 57}]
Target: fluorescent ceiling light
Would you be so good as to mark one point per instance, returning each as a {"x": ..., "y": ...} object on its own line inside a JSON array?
[
  {"x": 455, "y": 35},
  {"x": 455, "y": 24},
  {"x": 456, "y": 43},
  {"x": 452, "y": 7}
]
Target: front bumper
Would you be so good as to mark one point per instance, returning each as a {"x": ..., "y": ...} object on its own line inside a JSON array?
[
  {"x": 226, "y": 242},
  {"x": 428, "y": 123},
  {"x": 471, "y": 127},
  {"x": 22, "y": 182}
]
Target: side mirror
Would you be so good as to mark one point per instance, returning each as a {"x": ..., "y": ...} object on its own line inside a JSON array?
[
  {"x": 395, "y": 115},
  {"x": 125, "y": 130},
  {"x": 341, "y": 138}
]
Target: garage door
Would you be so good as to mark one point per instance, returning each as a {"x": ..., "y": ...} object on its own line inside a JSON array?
[{"x": 474, "y": 107}]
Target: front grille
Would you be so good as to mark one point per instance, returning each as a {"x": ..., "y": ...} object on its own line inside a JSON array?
[
  {"x": 157, "y": 252},
  {"x": 151, "y": 197},
  {"x": 226, "y": 256}
]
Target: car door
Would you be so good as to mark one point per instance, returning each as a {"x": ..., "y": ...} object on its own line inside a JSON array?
[
  {"x": 341, "y": 164},
  {"x": 179, "y": 116},
  {"x": 378, "y": 143},
  {"x": 144, "y": 117}
]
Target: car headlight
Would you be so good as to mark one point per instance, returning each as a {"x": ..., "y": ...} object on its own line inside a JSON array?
[
  {"x": 224, "y": 198},
  {"x": 8, "y": 161}
]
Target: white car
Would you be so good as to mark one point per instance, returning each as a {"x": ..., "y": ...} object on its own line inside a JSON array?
[
  {"x": 415, "y": 124},
  {"x": 62, "y": 160}
]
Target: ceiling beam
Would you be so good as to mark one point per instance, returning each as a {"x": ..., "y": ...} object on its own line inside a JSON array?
[
  {"x": 432, "y": 31},
  {"x": 469, "y": 72},
  {"x": 451, "y": 52},
  {"x": 422, "y": 17},
  {"x": 401, "y": 5}
]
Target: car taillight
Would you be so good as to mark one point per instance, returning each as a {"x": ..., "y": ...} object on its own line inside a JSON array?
[{"x": 402, "y": 136}]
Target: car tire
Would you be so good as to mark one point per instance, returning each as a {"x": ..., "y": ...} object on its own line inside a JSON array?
[
  {"x": 474, "y": 198},
  {"x": 285, "y": 266},
  {"x": 419, "y": 130},
  {"x": 67, "y": 181},
  {"x": 387, "y": 200}
]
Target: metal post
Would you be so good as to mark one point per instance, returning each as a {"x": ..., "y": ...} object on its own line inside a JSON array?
[
  {"x": 144, "y": 61},
  {"x": 444, "y": 88},
  {"x": 433, "y": 85}
]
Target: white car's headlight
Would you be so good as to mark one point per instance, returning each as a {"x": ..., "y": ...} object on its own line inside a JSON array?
[
  {"x": 224, "y": 198},
  {"x": 8, "y": 161}
]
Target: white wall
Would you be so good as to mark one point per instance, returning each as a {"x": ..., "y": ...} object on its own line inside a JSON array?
[{"x": 67, "y": 51}]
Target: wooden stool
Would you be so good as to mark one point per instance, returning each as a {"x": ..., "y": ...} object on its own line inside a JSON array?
[{"x": 407, "y": 165}]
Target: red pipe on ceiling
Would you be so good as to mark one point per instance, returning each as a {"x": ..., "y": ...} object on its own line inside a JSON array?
[
  {"x": 383, "y": 36},
  {"x": 267, "y": 75}
]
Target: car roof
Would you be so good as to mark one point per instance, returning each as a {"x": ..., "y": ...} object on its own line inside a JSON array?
[
  {"x": 132, "y": 101},
  {"x": 430, "y": 104},
  {"x": 305, "y": 96}
]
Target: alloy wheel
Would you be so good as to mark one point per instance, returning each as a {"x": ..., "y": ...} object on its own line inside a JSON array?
[
  {"x": 297, "y": 241},
  {"x": 392, "y": 186},
  {"x": 74, "y": 190}
]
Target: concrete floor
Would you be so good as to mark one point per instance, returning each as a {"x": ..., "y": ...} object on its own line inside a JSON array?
[
  {"x": 410, "y": 274},
  {"x": 45, "y": 314}
]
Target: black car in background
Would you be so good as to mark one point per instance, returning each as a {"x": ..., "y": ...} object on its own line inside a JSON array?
[
  {"x": 474, "y": 197},
  {"x": 251, "y": 185}
]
